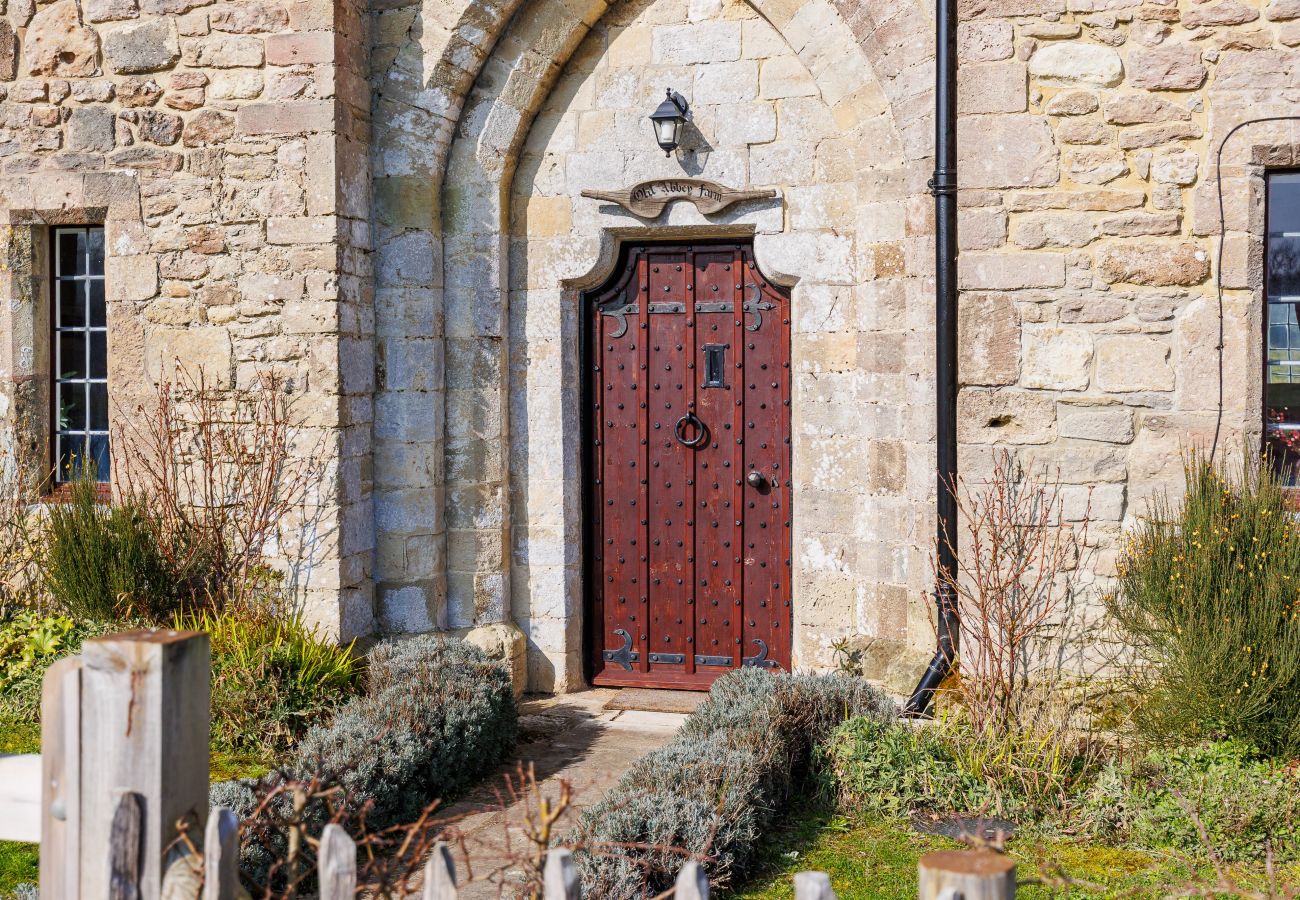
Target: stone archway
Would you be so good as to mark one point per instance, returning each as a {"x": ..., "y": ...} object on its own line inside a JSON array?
[{"x": 480, "y": 266}]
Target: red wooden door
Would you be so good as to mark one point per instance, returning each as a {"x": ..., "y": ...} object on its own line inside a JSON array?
[{"x": 689, "y": 468}]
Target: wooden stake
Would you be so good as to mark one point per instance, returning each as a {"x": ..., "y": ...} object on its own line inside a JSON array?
[
  {"x": 61, "y": 779},
  {"x": 440, "y": 874},
  {"x": 560, "y": 877},
  {"x": 971, "y": 874},
  {"x": 337, "y": 864},
  {"x": 692, "y": 883},
  {"x": 813, "y": 886},
  {"x": 221, "y": 856},
  {"x": 144, "y": 729}
]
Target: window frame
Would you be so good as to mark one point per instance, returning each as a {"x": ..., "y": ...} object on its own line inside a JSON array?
[{"x": 59, "y": 485}]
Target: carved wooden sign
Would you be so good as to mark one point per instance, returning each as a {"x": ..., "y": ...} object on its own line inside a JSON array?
[{"x": 649, "y": 198}]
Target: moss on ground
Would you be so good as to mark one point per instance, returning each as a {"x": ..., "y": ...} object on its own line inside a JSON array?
[{"x": 876, "y": 858}]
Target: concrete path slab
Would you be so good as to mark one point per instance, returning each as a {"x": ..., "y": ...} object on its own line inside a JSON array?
[{"x": 572, "y": 738}]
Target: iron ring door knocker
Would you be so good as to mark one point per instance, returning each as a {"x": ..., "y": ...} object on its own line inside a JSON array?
[{"x": 701, "y": 431}]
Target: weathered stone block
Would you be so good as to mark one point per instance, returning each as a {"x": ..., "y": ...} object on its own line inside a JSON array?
[
  {"x": 1133, "y": 362},
  {"x": 1157, "y": 264},
  {"x": 1175, "y": 167},
  {"x": 984, "y": 41},
  {"x": 1053, "y": 229},
  {"x": 91, "y": 128},
  {"x": 1074, "y": 63},
  {"x": 1143, "y": 109},
  {"x": 990, "y": 340},
  {"x": 1168, "y": 67},
  {"x": 148, "y": 46},
  {"x": 1282, "y": 10},
  {"x": 299, "y": 49},
  {"x": 1005, "y": 417},
  {"x": 1226, "y": 12},
  {"x": 993, "y": 88},
  {"x": 982, "y": 228},
  {"x": 250, "y": 18},
  {"x": 57, "y": 43},
  {"x": 1011, "y": 271},
  {"x": 1006, "y": 151},
  {"x": 221, "y": 51},
  {"x": 292, "y": 117},
  {"x": 8, "y": 51},
  {"x": 109, "y": 10},
  {"x": 1135, "y": 224},
  {"x": 684, "y": 45},
  {"x": 1072, "y": 103},
  {"x": 209, "y": 127},
  {"x": 1111, "y": 424},
  {"x": 1056, "y": 358}
]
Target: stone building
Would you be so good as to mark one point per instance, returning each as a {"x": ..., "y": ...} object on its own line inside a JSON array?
[{"x": 384, "y": 202}]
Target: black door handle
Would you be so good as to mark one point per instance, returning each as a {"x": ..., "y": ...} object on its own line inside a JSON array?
[{"x": 755, "y": 479}]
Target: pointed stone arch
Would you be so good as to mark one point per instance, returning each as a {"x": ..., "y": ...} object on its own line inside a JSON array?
[{"x": 519, "y": 63}]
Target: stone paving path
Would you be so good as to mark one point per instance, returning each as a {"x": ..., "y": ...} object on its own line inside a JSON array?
[{"x": 570, "y": 737}]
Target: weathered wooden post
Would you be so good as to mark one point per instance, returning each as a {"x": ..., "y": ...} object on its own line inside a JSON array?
[
  {"x": 560, "y": 876},
  {"x": 144, "y": 730},
  {"x": 967, "y": 874},
  {"x": 440, "y": 874},
  {"x": 692, "y": 883},
  {"x": 813, "y": 886},
  {"x": 61, "y": 779}
]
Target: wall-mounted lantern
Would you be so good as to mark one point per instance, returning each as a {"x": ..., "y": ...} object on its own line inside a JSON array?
[{"x": 668, "y": 120}]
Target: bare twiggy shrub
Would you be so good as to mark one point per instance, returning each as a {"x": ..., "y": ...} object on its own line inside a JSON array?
[
  {"x": 1024, "y": 685},
  {"x": 229, "y": 473},
  {"x": 21, "y": 477},
  {"x": 1014, "y": 590}
]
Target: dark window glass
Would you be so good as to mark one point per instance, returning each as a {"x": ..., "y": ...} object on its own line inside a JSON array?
[{"x": 80, "y": 393}]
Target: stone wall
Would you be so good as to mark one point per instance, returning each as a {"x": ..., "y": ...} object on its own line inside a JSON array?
[
  {"x": 223, "y": 147},
  {"x": 417, "y": 276},
  {"x": 1089, "y": 223}
]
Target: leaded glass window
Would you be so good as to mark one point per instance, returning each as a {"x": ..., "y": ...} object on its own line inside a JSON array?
[{"x": 80, "y": 354}]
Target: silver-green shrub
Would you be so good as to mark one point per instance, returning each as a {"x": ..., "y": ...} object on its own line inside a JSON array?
[
  {"x": 437, "y": 715},
  {"x": 712, "y": 790}
]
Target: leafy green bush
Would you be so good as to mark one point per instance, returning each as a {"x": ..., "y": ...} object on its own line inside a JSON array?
[
  {"x": 714, "y": 789},
  {"x": 29, "y": 643},
  {"x": 105, "y": 561},
  {"x": 1243, "y": 801},
  {"x": 897, "y": 769},
  {"x": 272, "y": 679},
  {"x": 437, "y": 715},
  {"x": 1209, "y": 595}
]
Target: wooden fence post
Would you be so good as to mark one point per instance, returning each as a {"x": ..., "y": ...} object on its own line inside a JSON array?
[
  {"x": 61, "y": 779},
  {"x": 692, "y": 884},
  {"x": 336, "y": 864},
  {"x": 813, "y": 886},
  {"x": 560, "y": 878},
  {"x": 144, "y": 730},
  {"x": 969, "y": 874},
  {"x": 221, "y": 856},
  {"x": 440, "y": 874}
]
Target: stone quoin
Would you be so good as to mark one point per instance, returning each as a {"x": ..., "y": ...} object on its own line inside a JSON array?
[{"x": 433, "y": 218}]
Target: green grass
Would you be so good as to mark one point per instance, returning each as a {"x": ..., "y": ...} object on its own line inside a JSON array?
[
  {"x": 19, "y": 864},
  {"x": 19, "y": 737},
  {"x": 876, "y": 859}
]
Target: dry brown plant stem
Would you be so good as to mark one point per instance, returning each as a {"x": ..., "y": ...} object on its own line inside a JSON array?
[
  {"x": 1012, "y": 588},
  {"x": 226, "y": 471}
]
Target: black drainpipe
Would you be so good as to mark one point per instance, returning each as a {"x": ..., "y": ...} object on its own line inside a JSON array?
[{"x": 944, "y": 188}]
